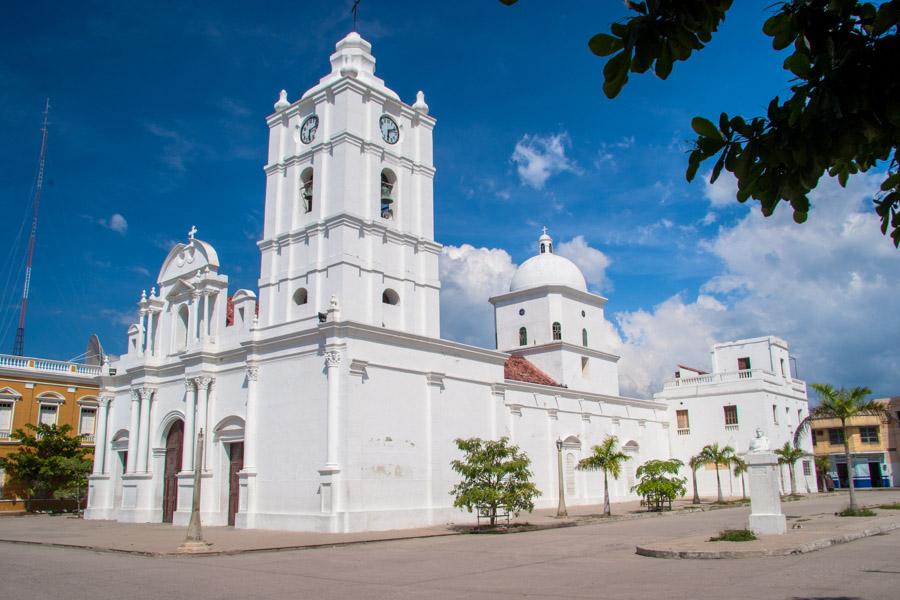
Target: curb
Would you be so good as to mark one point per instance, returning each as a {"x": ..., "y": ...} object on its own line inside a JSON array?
[{"x": 788, "y": 551}]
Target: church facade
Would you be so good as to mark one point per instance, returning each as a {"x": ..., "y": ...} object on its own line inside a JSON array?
[{"x": 330, "y": 402}]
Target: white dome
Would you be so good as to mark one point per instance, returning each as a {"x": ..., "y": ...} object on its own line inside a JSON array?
[{"x": 547, "y": 269}]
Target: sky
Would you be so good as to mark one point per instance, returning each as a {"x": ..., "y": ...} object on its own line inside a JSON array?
[{"x": 158, "y": 124}]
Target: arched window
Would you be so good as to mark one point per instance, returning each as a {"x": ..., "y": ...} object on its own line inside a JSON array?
[
  {"x": 181, "y": 334},
  {"x": 557, "y": 331},
  {"x": 389, "y": 296},
  {"x": 584, "y": 338},
  {"x": 306, "y": 189},
  {"x": 300, "y": 297},
  {"x": 543, "y": 247},
  {"x": 388, "y": 181},
  {"x": 523, "y": 336}
]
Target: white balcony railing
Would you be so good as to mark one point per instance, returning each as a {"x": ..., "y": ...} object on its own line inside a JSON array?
[
  {"x": 5, "y": 437},
  {"x": 685, "y": 431},
  {"x": 87, "y": 438},
  {"x": 732, "y": 376},
  {"x": 731, "y": 427},
  {"x": 45, "y": 365}
]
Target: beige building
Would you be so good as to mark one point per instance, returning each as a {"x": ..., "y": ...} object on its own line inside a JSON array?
[
  {"x": 37, "y": 390},
  {"x": 868, "y": 439}
]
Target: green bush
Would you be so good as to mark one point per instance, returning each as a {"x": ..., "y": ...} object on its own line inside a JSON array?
[
  {"x": 734, "y": 535},
  {"x": 856, "y": 512},
  {"x": 894, "y": 506}
]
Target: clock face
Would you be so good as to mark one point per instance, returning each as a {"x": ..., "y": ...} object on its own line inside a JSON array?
[
  {"x": 389, "y": 130},
  {"x": 308, "y": 129}
]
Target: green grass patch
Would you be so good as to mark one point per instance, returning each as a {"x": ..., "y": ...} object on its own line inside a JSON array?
[
  {"x": 859, "y": 512},
  {"x": 734, "y": 535},
  {"x": 894, "y": 506}
]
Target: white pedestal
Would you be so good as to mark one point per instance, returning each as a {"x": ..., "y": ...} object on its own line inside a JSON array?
[{"x": 766, "y": 517}]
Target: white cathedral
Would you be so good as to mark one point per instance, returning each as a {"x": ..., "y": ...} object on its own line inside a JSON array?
[{"x": 330, "y": 402}]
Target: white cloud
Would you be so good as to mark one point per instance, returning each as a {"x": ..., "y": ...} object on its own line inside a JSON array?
[
  {"x": 824, "y": 286},
  {"x": 538, "y": 158},
  {"x": 469, "y": 276},
  {"x": 118, "y": 223},
  {"x": 721, "y": 193},
  {"x": 709, "y": 218},
  {"x": 592, "y": 262}
]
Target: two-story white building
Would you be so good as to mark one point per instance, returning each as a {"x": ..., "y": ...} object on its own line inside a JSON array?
[{"x": 750, "y": 387}]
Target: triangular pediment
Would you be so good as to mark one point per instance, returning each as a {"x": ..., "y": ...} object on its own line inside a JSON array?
[
  {"x": 7, "y": 392},
  {"x": 182, "y": 286}
]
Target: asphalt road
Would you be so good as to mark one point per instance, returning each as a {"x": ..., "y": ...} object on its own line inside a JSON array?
[{"x": 596, "y": 561}]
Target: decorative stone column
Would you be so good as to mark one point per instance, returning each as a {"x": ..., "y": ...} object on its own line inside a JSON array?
[
  {"x": 204, "y": 384},
  {"x": 144, "y": 439},
  {"x": 766, "y": 517},
  {"x": 133, "y": 431},
  {"x": 333, "y": 364},
  {"x": 190, "y": 407},
  {"x": 100, "y": 437},
  {"x": 250, "y": 421},
  {"x": 192, "y": 318}
]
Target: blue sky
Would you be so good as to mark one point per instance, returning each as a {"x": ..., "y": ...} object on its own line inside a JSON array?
[{"x": 158, "y": 117}]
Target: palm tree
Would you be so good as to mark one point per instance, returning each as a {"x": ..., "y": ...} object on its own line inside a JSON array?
[
  {"x": 718, "y": 456},
  {"x": 842, "y": 405},
  {"x": 740, "y": 468},
  {"x": 788, "y": 455},
  {"x": 695, "y": 463},
  {"x": 607, "y": 458},
  {"x": 823, "y": 465}
]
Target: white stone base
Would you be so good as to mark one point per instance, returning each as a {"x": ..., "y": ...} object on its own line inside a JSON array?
[{"x": 768, "y": 524}]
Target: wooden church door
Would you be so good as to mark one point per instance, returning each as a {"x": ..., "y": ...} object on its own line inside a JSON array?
[
  {"x": 174, "y": 444},
  {"x": 236, "y": 464}
]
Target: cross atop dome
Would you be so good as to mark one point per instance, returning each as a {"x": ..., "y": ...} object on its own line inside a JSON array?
[
  {"x": 192, "y": 232},
  {"x": 545, "y": 242}
]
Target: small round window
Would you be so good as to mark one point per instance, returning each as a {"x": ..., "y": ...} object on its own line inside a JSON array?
[
  {"x": 521, "y": 312},
  {"x": 582, "y": 313}
]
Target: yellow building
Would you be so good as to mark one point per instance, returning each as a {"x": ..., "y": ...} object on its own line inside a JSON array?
[
  {"x": 37, "y": 390},
  {"x": 868, "y": 438},
  {"x": 893, "y": 437}
]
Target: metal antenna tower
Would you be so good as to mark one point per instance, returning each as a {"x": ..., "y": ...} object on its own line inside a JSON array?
[{"x": 19, "y": 344}]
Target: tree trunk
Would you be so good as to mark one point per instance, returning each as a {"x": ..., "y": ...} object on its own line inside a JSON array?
[
  {"x": 849, "y": 466},
  {"x": 696, "y": 499},
  {"x": 606, "y": 509},
  {"x": 719, "y": 485},
  {"x": 793, "y": 479},
  {"x": 743, "y": 488}
]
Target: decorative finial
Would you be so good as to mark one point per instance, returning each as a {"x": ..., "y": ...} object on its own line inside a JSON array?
[
  {"x": 192, "y": 233},
  {"x": 282, "y": 101},
  {"x": 544, "y": 230},
  {"x": 143, "y": 295},
  {"x": 153, "y": 291},
  {"x": 420, "y": 105}
]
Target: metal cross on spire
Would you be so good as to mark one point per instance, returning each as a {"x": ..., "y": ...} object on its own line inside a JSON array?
[
  {"x": 544, "y": 230},
  {"x": 355, "y": 11},
  {"x": 192, "y": 233}
]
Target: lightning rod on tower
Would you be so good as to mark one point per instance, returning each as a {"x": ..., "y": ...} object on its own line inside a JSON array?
[{"x": 19, "y": 344}]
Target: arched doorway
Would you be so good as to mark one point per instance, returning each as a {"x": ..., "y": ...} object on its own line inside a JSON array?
[{"x": 174, "y": 445}]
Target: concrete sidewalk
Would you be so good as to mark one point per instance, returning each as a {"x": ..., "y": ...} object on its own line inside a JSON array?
[
  {"x": 805, "y": 534},
  {"x": 157, "y": 539}
]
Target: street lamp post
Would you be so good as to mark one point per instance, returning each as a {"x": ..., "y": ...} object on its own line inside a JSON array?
[{"x": 561, "y": 509}]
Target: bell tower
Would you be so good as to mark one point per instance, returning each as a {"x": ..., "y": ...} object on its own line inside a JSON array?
[{"x": 350, "y": 203}]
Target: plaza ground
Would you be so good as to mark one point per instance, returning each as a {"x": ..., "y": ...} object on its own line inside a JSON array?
[{"x": 589, "y": 561}]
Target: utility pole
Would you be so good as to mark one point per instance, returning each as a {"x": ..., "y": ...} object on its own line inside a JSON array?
[{"x": 19, "y": 344}]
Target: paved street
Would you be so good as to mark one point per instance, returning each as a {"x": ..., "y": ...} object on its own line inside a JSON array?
[{"x": 592, "y": 561}]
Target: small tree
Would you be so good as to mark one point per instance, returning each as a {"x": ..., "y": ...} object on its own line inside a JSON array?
[
  {"x": 494, "y": 474},
  {"x": 718, "y": 456},
  {"x": 739, "y": 466},
  {"x": 788, "y": 455},
  {"x": 50, "y": 463},
  {"x": 842, "y": 405},
  {"x": 659, "y": 483},
  {"x": 823, "y": 465},
  {"x": 607, "y": 458},
  {"x": 695, "y": 463}
]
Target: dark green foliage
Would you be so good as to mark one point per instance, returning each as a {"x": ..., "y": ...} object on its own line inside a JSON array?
[
  {"x": 734, "y": 535},
  {"x": 894, "y": 506},
  {"x": 841, "y": 117},
  {"x": 659, "y": 483},
  {"x": 856, "y": 512},
  {"x": 494, "y": 474},
  {"x": 51, "y": 463}
]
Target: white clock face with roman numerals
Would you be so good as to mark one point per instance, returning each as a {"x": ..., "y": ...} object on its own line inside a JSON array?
[
  {"x": 308, "y": 129},
  {"x": 389, "y": 130}
]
